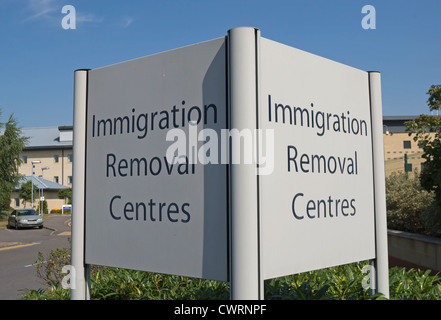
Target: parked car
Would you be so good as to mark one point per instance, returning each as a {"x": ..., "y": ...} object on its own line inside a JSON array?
[{"x": 25, "y": 218}]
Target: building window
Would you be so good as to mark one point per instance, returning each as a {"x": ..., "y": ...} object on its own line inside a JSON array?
[
  {"x": 56, "y": 179},
  {"x": 69, "y": 158},
  {"x": 25, "y": 159},
  {"x": 56, "y": 158},
  {"x": 16, "y": 202},
  {"x": 409, "y": 167},
  {"x": 69, "y": 179},
  {"x": 406, "y": 144}
]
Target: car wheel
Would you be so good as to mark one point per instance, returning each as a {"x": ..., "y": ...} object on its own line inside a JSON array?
[{"x": 16, "y": 225}]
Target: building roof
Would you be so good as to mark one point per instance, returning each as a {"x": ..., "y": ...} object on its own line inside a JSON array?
[
  {"x": 48, "y": 137},
  {"x": 401, "y": 118},
  {"x": 395, "y": 124},
  {"x": 41, "y": 183}
]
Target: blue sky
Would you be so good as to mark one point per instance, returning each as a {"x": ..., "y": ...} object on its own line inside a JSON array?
[{"x": 38, "y": 57}]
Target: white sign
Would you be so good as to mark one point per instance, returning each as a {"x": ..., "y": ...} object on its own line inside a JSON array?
[
  {"x": 144, "y": 211},
  {"x": 317, "y": 207},
  {"x": 238, "y": 159}
]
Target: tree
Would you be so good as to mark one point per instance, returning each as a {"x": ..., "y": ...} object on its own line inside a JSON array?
[
  {"x": 65, "y": 194},
  {"x": 25, "y": 192},
  {"x": 434, "y": 100},
  {"x": 427, "y": 130},
  {"x": 11, "y": 144}
]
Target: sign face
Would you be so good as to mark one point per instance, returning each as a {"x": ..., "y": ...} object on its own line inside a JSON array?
[
  {"x": 145, "y": 211},
  {"x": 317, "y": 206}
]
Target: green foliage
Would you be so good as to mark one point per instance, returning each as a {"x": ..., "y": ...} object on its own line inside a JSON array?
[
  {"x": 414, "y": 285},
  {"x": 121, "y": 284},
  {"x": 25, "y": 192},
  {"x": 427, "y": 132},
  {"x": 434, "y": 100},
  {"x": 336, "y": 283},
  {"x": 58, "y": 210},
  {"x": 44, "y": 207},
  {"x": 65, "y": 194},
  {"x": 432, "y": 219},
  {"x": 50, "y": 269},
  {"x": 11, "y": 144},
  {"x": 407, "y": 203}
]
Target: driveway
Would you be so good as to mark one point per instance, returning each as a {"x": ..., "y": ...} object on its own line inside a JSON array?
[{"x": 19, "y": 251}]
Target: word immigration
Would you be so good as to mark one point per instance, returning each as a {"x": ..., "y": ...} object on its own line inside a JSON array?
[
  {"x": 315, "y": 119},
  {"x": 143, "y": 123}
]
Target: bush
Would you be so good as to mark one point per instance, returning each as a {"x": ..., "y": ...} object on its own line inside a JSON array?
[
  {"x": 122, "y": 284},
  {"x": 336, "y": 283},
  {"x": 58, "y": 210},
  {"x": 45, "y": 210},
  {"x": 414, "y": 284},
  {"x": 432, "y": 218},
  {"x": 407, "y": 204}
]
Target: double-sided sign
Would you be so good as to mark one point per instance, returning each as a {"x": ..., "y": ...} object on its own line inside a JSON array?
[{"x": 165, "y": 145}]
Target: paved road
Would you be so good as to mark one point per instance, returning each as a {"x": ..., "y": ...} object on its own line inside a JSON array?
[{"x": 19, "y": 250}]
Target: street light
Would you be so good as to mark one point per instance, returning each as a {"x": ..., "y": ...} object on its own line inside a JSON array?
[
  {"x": 32, "y": 182},
  {"x": 42, "y": 169},
  {"x": 41, "y": 195}
]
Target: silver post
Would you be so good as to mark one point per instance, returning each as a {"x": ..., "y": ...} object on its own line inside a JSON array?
[
  {"x": 80, "y": 287},
  {"x": 381, "y": 261},
  {"x": 245, "y": 277}
]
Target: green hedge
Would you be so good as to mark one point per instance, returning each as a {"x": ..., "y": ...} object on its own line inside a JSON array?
[
  {"x": 336, "y": 283},
  {"x": 57, "y": 210}
]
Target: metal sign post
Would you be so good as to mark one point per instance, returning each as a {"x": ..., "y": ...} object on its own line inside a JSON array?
[
  {"x": 79, "y": 272},
  {"x": 245, "y": 278},
  {"x": 381, "y": 262}
]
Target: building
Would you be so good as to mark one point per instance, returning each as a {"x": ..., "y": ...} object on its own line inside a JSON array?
[
  {"x": 52, "y": 146},
  {"x": 47, "y": 191},
  {"x": 401, "y": 152},
  {"x": 49, "y": 150}
]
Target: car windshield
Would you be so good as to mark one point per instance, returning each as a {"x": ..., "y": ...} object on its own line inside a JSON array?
[{"x": 26, "y": 213}]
